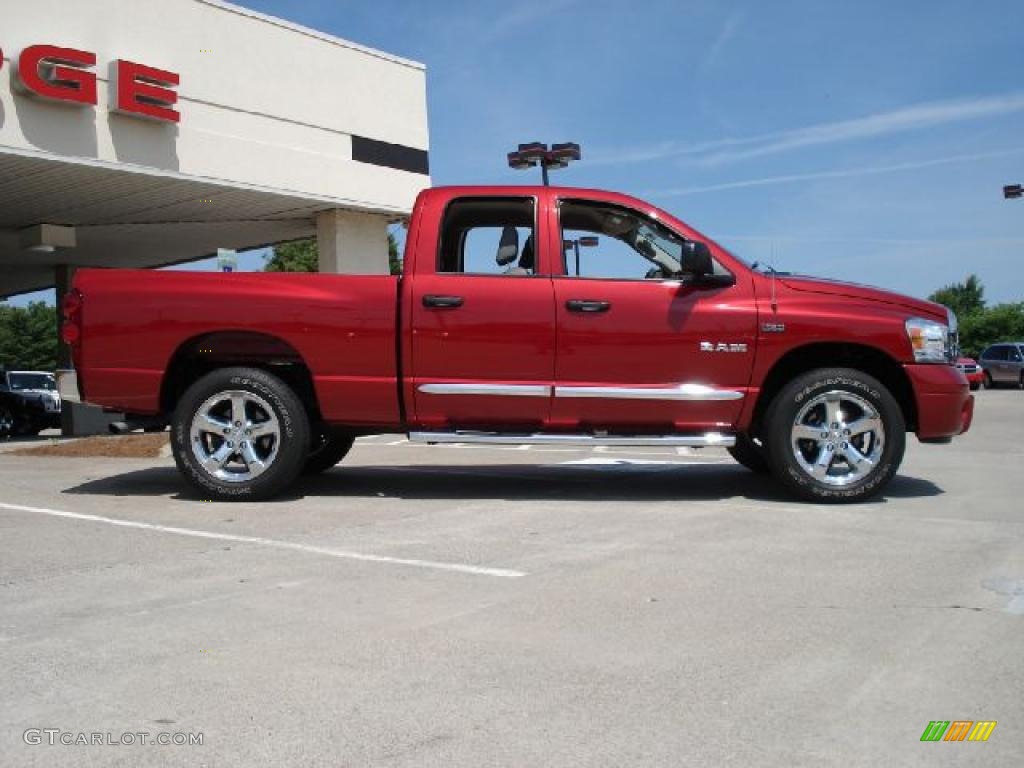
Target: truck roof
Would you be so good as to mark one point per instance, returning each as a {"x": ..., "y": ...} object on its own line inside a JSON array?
[
  {"x": 530, "y": 189},
  {"x": 540, "y": 191}
]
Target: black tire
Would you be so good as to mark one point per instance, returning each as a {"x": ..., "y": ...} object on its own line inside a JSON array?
[
  {"x": 269, "y": 401},
  {"x": 974, "y": 386},
  {"x": 852, "y": 391},
  {"x": 1020, "y": 381},
  {"x": 24, "y": 427},
  {"x": 750, "y": 455},
  {"x": 327, "y": 449},
  {"x": 987, "y": 381},
  {"x": 7, "y": 422}
]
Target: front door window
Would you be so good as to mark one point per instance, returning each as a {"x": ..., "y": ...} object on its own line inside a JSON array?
[{"x": 607, "y": 241}]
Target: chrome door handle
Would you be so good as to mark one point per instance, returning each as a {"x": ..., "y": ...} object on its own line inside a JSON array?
[
  {"x": 442, "y": 302},
  {"x": 587, "y": 305}
]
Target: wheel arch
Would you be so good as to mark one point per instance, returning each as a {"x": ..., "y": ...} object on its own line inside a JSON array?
[
  {"x": 197, "y": 356},
  {"x": 871, "y": 360}
]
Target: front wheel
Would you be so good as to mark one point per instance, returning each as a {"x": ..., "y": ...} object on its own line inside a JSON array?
[
  {"x": 240, "y": 434},
  {"x": 986, "y": 381},
  {"x": 974, "y": 386},
  {"x": 750, "y": 454},
  {"x": 835, "y": 435}
]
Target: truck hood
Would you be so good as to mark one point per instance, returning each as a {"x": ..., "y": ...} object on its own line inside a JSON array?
[{"x": 928, "y": 309}]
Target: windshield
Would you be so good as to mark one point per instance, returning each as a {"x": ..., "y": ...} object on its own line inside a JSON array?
[{"x": 22, "y": 381}]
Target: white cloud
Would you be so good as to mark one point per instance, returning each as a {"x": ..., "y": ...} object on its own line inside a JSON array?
[
  {"x": 725, "y": 34},
  {"x": 912, "y": 118},
  {"x": 842, "y": 173}
]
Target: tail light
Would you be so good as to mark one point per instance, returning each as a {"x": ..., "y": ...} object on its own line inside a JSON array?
[{"x": 71, "y": 330}]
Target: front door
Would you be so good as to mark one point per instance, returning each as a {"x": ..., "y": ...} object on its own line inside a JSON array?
[
  {"x": 483, "y": 321},
  {"x": 638, "y": 349}
]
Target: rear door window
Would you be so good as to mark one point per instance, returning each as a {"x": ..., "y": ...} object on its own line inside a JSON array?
[{"x": 488, "y": 236}]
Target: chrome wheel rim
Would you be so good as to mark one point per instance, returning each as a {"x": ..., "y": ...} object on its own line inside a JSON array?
[
  {"x": 235, "y": 436},
  {"x": 837, "y": 438}
]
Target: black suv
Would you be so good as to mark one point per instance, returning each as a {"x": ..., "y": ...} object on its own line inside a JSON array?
[
  {"x": 1004, "y": 364},
  {"x": 29, "y": 402}
]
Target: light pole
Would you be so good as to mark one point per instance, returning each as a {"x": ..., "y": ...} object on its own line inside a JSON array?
[
  {"x": 1013, "y": 191},
  {"x": 586, "y": 241},
  {"x": 536, "y": 153}
]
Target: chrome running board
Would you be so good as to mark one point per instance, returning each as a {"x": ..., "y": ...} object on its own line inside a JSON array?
[{"x": 705, "y": 440}]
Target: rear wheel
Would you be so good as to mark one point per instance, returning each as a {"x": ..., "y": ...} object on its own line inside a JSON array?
[
  {"x": 6, "y": 421},
  {"x": 750, "y": 454},
  {"x": 240, "y": 434},
  {"x": 835, "y": 435},
  {"x": 987, "y": 381},
  {"x": 328, "y": 447}
]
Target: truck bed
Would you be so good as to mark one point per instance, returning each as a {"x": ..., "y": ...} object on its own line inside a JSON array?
[{"x": 342, "y": 328}]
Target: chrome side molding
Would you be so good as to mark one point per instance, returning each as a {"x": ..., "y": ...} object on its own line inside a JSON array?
[
  {"x": 705, "y": 440},
  {"x": 694, "y": 392},
  {"x": 682, "y": 392},
  {"x": 506, "y": 390}
]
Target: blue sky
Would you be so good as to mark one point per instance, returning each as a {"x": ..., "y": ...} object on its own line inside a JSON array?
[{"x": 866, "y": 141}]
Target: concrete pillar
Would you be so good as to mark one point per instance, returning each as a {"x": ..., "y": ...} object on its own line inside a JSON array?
[
  {"x": 63, "y": 275},
  {"x": 351, "y": 242}
]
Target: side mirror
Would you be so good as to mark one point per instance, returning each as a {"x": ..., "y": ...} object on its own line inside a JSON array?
[
  {"x": 697, "y": 260},
  {"x": 698, "y": 268}
]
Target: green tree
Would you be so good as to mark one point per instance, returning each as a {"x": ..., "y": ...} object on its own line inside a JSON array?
[
  {"x": 302, "y": 256},
  {"x": 1003, "y": 322},
  {"x": 980, "y": 325},
  {"x": 964, "y": 298},
  {"x": 28, "y": 337}
]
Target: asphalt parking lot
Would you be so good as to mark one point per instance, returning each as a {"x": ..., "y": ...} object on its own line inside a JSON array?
[{"x": 460, "y": 606}]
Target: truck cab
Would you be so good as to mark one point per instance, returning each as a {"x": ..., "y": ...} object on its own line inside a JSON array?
[{"x": 512, "y": 324}]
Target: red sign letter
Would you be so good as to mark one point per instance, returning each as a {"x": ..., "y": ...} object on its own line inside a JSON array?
[
  {"x": 58, "y": 73},
  {"x": 146, "y": 91}
]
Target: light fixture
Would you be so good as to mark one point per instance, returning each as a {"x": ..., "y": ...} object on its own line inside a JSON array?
[
  {"x": 46, "y": 238},
  {"x": 535, "y": 153}
]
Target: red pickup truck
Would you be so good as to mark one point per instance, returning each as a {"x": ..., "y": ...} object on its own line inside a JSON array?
[{"x": 524, "y": 315}]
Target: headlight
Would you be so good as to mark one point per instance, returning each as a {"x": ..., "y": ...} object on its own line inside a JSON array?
[
  {"x": 953, "y": 339},
  {"x": 929, "y": 340}
]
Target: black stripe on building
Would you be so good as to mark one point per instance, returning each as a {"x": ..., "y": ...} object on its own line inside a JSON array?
[{"x": 397, "y": 156}]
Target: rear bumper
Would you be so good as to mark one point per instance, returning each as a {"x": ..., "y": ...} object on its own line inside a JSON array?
[{"x": 945, "y": 405}]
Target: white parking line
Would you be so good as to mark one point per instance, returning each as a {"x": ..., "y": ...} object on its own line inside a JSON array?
[
  {"x": 476, "y": 570},
  {"x": 624, "y": 462}
]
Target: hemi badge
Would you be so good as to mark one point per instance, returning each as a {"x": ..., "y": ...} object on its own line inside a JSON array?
[{"x": 773, "y": 327}]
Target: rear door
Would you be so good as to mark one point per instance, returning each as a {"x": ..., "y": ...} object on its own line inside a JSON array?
[
  {"x": 638, "y": 349},
  {"x": 482, "y": 317},
  {"x": 995, "y": 362}
]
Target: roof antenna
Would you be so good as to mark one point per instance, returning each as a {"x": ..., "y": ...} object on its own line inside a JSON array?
[{"x": 775, "y": 304}]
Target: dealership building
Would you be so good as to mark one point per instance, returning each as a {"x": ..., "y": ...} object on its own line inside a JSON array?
[{"x": 142, "y": 134}]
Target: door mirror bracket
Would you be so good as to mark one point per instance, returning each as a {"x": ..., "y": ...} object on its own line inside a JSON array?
[{"x": 711, "y": 280}]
